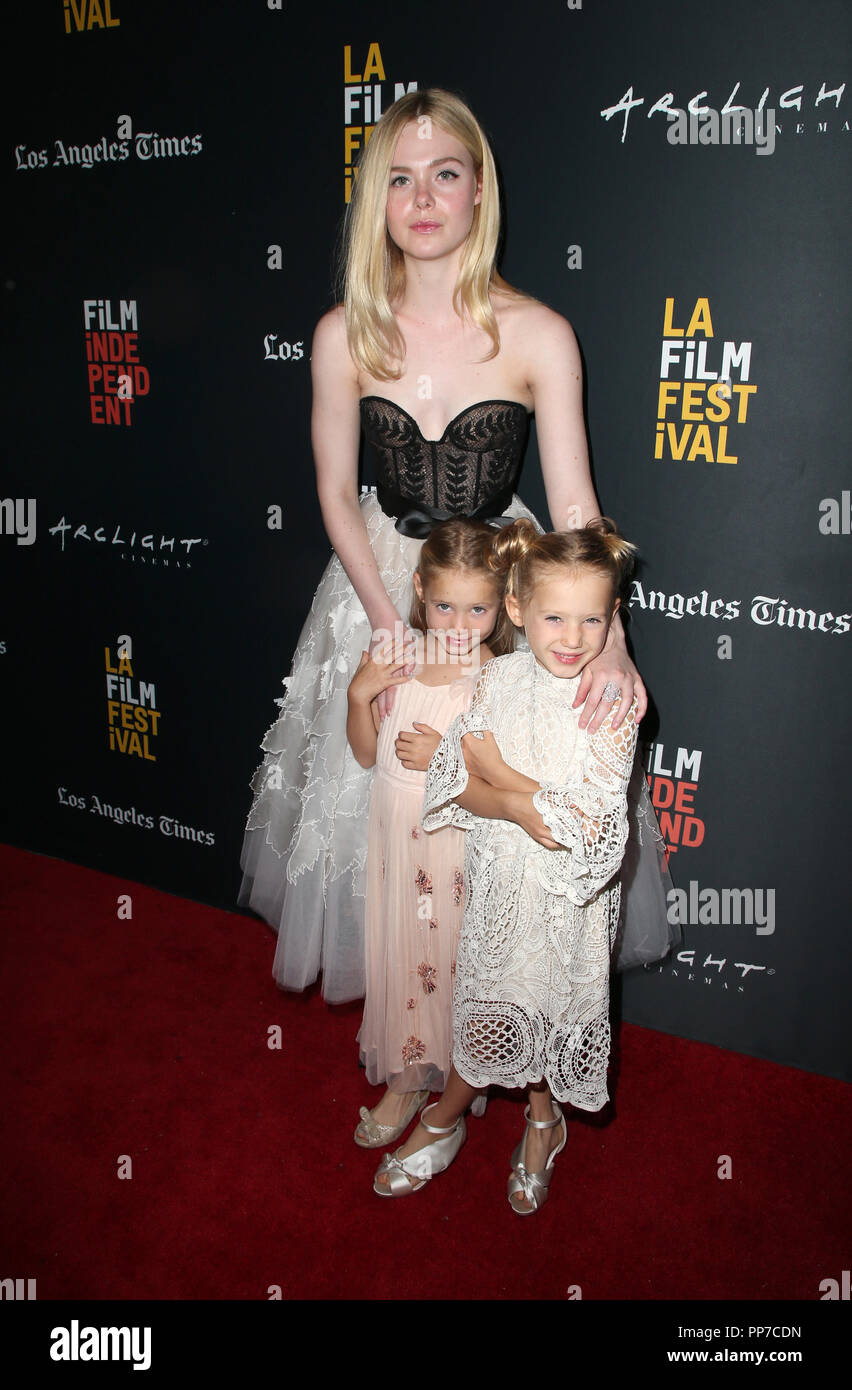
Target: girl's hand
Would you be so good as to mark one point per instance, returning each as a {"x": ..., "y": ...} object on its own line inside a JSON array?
[
  {"x": 482, "y": 758},
  {"x": 375, "y": 674},
  {"x": 405, "y": 641},
  {"x": 415, "y": 750},
  {"x": 520, "y": 809},
  {"x": 615, "y": 669}
]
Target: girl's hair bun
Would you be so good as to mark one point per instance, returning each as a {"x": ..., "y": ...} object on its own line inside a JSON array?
[{"x": 523, "y": 555}]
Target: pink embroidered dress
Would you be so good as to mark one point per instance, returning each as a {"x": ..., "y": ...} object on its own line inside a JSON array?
[{"x": 414, "y": 906}]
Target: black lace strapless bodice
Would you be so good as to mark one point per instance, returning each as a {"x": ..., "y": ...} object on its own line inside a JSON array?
[{"x": 471, "y": 470}]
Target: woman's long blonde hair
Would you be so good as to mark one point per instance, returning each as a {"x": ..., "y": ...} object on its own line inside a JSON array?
[{"x": 372, "y": 266}]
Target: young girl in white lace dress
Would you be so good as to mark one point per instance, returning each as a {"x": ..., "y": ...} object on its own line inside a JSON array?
[
  {"x": 415, "y": 884},
  {"x": 544, "y": 806}
]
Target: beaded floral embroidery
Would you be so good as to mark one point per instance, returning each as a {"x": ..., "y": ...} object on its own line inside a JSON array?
[
  {"x": 412, "y": 1050},
  {"x": 429, "y": 976},
  {"x": 458, "y": 886},
  {"x": 423, "y": 881}
]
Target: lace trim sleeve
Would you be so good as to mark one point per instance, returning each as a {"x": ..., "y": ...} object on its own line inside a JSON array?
[
  {"x": 589, "y": 816},
  {"x": 447, "y": 776}
]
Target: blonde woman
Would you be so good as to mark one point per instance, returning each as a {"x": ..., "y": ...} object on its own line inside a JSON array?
[{"x": 440, "y": 362}]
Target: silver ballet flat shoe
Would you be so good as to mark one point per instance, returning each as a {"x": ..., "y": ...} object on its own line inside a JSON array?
[
  {"x": 369, "y": 1134},
  {"x": 405, "y": 1175},
  {"x": 534, "y": 1186}
]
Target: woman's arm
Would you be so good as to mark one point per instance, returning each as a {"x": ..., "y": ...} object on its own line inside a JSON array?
[
  {"x": 335, "y": 432},
  {"x": 555, "y": 377}
]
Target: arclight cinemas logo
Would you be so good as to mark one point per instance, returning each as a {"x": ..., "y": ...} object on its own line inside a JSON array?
[
  {"x": 76, "y": 1343},
  {"x": 152, "y": 548},
  {"x": 795, "y": 98}
]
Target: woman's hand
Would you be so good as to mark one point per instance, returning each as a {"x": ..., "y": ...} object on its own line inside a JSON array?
[
  {"x": 483, "y": 758},
  {"x": 613, "y": 669},
  {"x": 415, "y": 750},
  {"x": 405, "y": 641}
]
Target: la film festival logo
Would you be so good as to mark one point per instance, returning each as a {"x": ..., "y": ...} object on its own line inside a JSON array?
[
  {"x": 144, "y": 145},
  {"x": 697, "y": 403},
  {"x": 133, "y": 719},
  {"x": 363, "y": 104},
  {"x": 133, "y": 727},
  {"x": 82, "y": 16},
  {"x": 116, "y": 375}
]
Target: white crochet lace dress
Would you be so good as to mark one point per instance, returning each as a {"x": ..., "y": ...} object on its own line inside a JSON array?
[{"x": 531, "y": 995}]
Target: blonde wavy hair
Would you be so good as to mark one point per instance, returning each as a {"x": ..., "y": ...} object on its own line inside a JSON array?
[
  {"x": 521, "y": 556},
  {"x": 372, "y": 267}
]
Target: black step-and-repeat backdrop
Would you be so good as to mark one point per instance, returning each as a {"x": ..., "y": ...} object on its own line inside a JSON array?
[{"x": 675, "y": 184}]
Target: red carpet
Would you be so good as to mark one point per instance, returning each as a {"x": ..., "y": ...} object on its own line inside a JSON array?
[{"x": 148, "y": 1038}]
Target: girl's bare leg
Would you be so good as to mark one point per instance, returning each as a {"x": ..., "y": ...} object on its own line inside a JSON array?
[
  {"x": 391, "y": 1107},
  {"x": 540, "y": 1142}
]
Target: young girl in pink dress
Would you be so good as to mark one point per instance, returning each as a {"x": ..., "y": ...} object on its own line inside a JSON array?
[{"x": 415, "y": 885}]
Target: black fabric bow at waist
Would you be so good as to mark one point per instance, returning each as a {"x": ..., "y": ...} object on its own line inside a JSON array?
[{"x": 418, "y": 519}]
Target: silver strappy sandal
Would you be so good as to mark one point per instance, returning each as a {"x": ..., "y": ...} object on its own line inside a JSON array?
[
  {"x": 370, "y": 1134},
  {"x": 534, "y": 1186},
  {"x": 405, "y": 1175}
]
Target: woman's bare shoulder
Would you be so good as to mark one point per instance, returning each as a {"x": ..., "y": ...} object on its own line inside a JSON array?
[
  {"x": 331, "y": 325},
  {"x": 542, "y": 339},
  {"x": 330, "y": 346},
  {"x": 532, "y": 318}
]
